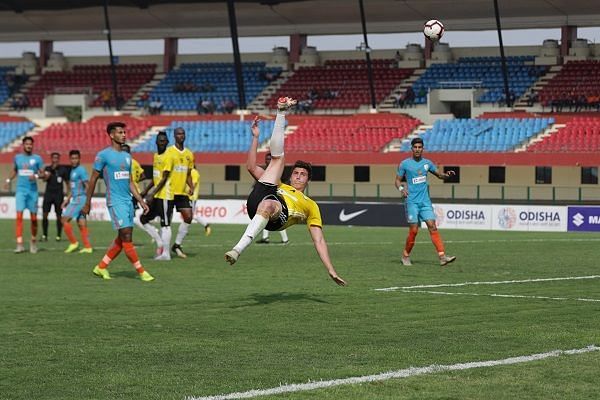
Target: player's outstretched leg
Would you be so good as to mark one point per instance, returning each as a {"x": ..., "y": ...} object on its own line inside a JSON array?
[
  {"x": 284, "y": 237},
  {"x": 439, "y": 245}
]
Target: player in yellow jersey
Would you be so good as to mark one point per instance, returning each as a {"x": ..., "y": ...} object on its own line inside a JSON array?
[
  {"x": 159, "y": 196},
  {"x": 265, "y": 233},
  {"x": 275, "y": 206},
  {"x": 137, "y": 176},
  {"x": 182, "y": 187},
  {"x": 194, "y": 198}
]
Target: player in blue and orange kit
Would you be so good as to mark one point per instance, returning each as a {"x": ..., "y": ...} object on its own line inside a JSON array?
[
  {"x": 115, "y": 166},
  {"x": 418, "y": 202},
  {"x": 78, "y": 181},
  {"x": 28, "y": 167}
]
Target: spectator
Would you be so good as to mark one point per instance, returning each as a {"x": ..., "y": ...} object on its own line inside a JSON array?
[
  {"x": 397, "y": 57},
  {"x": 156, "y": 106},
  {"x": 145, "y": 103},
  {"x": 207, "y": 87},
  {"x": 106, "y": 96},
  {"x": 227, "y": 106},
  {"x": 409, "y": 97},
  {"x": 532, "y": 97},
  {"x": 207, "y": 106}
]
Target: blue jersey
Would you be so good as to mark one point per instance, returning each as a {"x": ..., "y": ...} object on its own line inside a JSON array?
[
  {"x": 27, "y": 166},
  {"x": 77, "y": 178},
  {"x": 416, "y": 178},
  {"x": 115, "y": 167}
]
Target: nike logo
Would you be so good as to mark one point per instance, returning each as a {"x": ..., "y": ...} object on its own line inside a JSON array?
[{"x": 347, "y": 217}]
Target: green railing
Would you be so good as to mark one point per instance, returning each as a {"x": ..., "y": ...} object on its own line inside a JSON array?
[{"x": 448, "y": 192}]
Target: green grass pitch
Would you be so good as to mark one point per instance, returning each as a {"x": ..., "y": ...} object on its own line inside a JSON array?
[{"x": 205, "y": 328}]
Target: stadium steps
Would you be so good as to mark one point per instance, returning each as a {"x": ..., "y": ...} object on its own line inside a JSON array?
[
  {"x": 152, "y": 131},
  {"x": 32, "y": 80},
  {"x": 131, "y": 105},
  {"x": 539, "y": 137},
  {"x": 258, "y": 105},
  {"x": 395, "y": 145},
  {"x": 388, "y": 102},
  {"x": 538, "y": 85}
]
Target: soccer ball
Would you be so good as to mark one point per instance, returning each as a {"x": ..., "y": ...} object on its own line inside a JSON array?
[{"x": 433, "y": 30}]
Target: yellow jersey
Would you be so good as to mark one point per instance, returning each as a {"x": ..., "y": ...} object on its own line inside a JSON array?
[
  {"x": 183, "y": 161},
  {"x": 196, "y": 182},
  {"x": 301, "y": 208},
  {"x": 137, "y": 173},
  {"x": 162, "y": 162}
]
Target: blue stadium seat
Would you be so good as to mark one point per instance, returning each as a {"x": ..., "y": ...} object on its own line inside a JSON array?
[
  {"x": 9, "y": 131},
  {"x": 480, "y": 135},
  {"x": 212, "y": 136}
]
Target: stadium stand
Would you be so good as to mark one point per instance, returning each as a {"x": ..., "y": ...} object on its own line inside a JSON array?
[
  {"x": 341, "y": 84},
  {"x": 87, "y": 137},
  {"x": 480, "y": 135},
  {"x": 581, "y": 135},
  {"x": 484, "y": 72},
  {"x": 211, "y": 136},
  {"x": 97, "y": 77},
  {"x": 575, "y": 79},
  {"x": 358, "y": 133},
  {"x": 183, "y": 87},
  {"x": 11, "y": 130},
  {"x": 9, "y": 83}
]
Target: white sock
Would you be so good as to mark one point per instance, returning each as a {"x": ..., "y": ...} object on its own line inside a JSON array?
[
  {"x": 284, "y": 235},
  {"x": 136, "y": 220},
  {"x": 278, "y": 135},
  {"x": 182, "y": 232},
  {"x": 257, "y": 224},
  {"x": 165, "y": 233},
  {"x": 265, "y": 234},
  {"x": 153, "y": 232},
  {"x": 200, "y": 220}
]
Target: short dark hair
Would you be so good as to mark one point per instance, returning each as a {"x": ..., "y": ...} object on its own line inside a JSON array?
[
  {"x": 126, "y": 147},
  {"x": 114, "y": 125},
  {"x": 415, "y": 141},
  {"x": 306, "y": 165},
  {"x": 26, "y": 138},
  {"x": 73, "y": 153},
  {"x": 162, "y": 133},
  {"x": 54, "y": 153}
]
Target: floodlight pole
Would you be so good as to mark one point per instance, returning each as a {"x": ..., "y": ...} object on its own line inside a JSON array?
[
  {"x": 239, "y": 75},
  {"x": 502, "y": 57},
  {"x": 113, "y": 68},
  {"x": 367, "y": 55}
]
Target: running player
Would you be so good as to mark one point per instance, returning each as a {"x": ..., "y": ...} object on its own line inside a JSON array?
[
  {"x": 159, "y": 196},
  {"x": 265, "y": 233},
  {"x": 28, "y": 167},
  {"x": 56, "y": 176},
  {"x": 182, "y": 186},
  {"x": 275, "y": 206},
  {"x": 115, "y": 166},
  {"x": 78, "y": 182},
  {"x": 194, "y": 198},
  {"x": 418, "y": 202}
]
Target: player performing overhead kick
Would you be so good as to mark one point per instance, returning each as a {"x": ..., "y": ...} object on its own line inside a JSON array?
[{"x": 274, "y": 205}]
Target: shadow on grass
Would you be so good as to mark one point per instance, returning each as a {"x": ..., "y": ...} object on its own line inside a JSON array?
[
  {"x": 125, "y": 274},
  {"x": 264, "y": 299}
]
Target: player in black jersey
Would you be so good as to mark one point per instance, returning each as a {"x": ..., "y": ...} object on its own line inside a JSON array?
[{"x": 56, "y": 176}]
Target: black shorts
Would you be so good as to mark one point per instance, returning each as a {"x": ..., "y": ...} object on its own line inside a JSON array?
[
  {"x": 181, "y": 202},
  {"x": 268, "y": 191},
  {"x": 160, "y": 208},
  {"x": 50, "y": 200}
]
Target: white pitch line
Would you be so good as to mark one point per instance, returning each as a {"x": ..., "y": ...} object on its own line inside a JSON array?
[
  {"x": 402, "y": 373},
  {"x": 566, "y": 278},
  {"x": 514, "y": 296}
]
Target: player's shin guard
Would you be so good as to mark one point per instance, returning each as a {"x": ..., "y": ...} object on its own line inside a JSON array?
[
  {"x": 112, "y": 252},
  {"x": 153, "y": 232},
  {"x": 265, "y": 234},
  {"x": 133, "y": 257},
  {"x": 277, "y": 137},
  {"x": 284, "y": 236},
  {"x": 34, "y": 227},
  {"x": 165, "y": 233},
  {"x": 69, "y": 232},
  {"x": 85, "y": 237},
  {"x": 200, "y": 220},
  {"x": 19, "y": 227},
  {"x": 182, "y": 232},
  {"x": 437, "y": 242},
  {"x": 257, "y": 224},
  {"x": 410, "y": 240}
]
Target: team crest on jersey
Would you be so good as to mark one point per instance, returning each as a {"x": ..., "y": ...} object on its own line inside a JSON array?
[
  {"x": 128, "y": 160},
  {"x": 32, "y": 161},
  {"x": 426, "y": 167}
]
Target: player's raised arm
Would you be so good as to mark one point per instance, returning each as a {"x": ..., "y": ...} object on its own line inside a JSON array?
[
  {"x": 254, "y": 170},
  {"x": 316, "y": 234},
  {"x": 90, "y": 192}
]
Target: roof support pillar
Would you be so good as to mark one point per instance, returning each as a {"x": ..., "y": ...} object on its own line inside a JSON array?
[
  {"x": 113, "y": 67},
  {"x": 568, "y": 34},
  {"x": 46, "y": 48},
  {"x": 507, "y": 96},
  {"x": 363, "y": 21},
  {"x": 170, "y": 54},
  {"x": 298, "y": 42},
  {"x": 237, "y": 59}
]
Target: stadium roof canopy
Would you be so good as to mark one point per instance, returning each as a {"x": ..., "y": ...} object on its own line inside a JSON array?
[{"x": 25, "y": 20}]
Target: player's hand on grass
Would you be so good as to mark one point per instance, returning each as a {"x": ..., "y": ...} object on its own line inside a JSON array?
[
  {"x": 337, "y": 279},
  {"x": 254, "y": 128}
]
